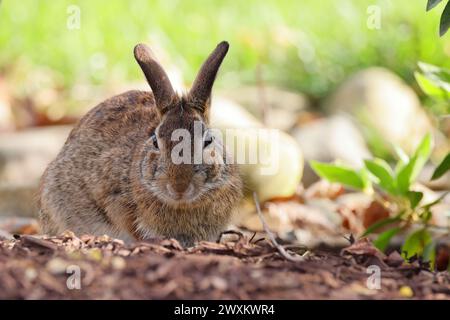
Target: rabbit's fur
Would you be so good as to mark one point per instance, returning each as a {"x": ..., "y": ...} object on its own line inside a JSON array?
[{"x": 114, "y": 175}]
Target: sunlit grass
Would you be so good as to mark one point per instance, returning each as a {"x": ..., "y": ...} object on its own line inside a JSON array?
[{"x": 308, "y": 46}]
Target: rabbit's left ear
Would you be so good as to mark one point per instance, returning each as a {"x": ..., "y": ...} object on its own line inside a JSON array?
[
  {"x": 201, "y": 89},
  {"x": 156, "y": 76}
]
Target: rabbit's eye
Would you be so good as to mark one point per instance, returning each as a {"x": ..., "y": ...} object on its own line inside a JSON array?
[
  {"x": 208, "y": 140},
  {"x": 154, "y": 140}
]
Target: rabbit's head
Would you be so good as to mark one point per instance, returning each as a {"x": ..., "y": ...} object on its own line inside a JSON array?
[{"x": 183, "y": 163}]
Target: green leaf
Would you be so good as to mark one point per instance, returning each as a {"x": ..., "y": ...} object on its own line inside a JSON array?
[
  {"x": 365, "y": 177},
  {"x": 422, "y": 153},
  {"x": 445, "y": 20},
  {"x": 404, "y": 176},
  {"x": 403, "y": 159},
  {"x": 409, "y": 173},
  {"x": 426, "y": 215},
  {"x": 401, "y": 154},
  {"x": 432, "y": 3},
  {"x": 431, "y": 88},
  {"x": 429, "y": 254},
  {"x": 381, "y": 170},
  {"x": 434, "y": 81},
  {"x": 339, "y": 174},
  {"x": 442, "y": 168},
  {"x": 415, "y": 243},
  {"x": 435, "y": 72},
  {"x": 384, "y": 238},
  {"x": 414, "y": 198},
  {"x": 379, "y": 224}
]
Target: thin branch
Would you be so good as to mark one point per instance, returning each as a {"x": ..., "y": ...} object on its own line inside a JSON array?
[
  {"x": 237, "y": 233},
  {"x": 280, "y": 249},
  {"x": 34, "y": 241}
]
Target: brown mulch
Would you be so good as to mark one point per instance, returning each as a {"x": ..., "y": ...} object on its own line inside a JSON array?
[{"x": 236, "y": 268}]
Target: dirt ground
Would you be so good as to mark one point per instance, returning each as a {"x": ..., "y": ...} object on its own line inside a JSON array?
[{"x": 238, "y": 267}]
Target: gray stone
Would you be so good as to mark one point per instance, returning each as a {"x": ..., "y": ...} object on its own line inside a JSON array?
[
  {"x": 18, "y": 200},
  {"x": 24, "y": 155}
]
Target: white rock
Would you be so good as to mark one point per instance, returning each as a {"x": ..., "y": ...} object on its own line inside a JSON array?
[
  {"x": 275, "y": 173},
  {"x": 330, "y": 139},
  {"x": 386, "y": 103},
  {"x": 6, "y": 116},
  {"x": 282, "y": 107}
]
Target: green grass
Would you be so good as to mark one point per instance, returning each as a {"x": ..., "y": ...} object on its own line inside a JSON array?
[{"x": 309, "y": 46}]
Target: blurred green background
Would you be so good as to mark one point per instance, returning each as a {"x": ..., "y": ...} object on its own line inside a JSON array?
[{"x": 308, "y": 46}]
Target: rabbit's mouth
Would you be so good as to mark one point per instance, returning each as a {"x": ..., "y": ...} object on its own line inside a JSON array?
[
  {"x": 185, "y": 194},
  {"x": 180, "y": 198},
  {"x": 165, "y": 193}
]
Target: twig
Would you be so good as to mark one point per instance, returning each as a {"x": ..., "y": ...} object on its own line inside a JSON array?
[
  {"x": 280, "y": 249},
  {"x": 253, "y": 236},
  {"x": 238, "y": 233},
  {"x": 33, "y": 241}
]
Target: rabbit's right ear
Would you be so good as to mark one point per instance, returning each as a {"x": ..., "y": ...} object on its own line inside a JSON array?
[
  {"x": 155, "y": 75},
  {"x": 203, "y": 83}
]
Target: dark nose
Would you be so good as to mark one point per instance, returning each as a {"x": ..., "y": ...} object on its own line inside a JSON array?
[
  {"x": 181, "y": 177},
  {"x": 180, "y": 186},
  {"x": 179, "y": 191}
]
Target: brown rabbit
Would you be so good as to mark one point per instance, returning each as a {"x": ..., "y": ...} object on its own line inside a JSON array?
[{"x": 115, "y": 174}]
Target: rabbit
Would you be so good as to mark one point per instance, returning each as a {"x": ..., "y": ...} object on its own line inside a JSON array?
[{"x": 115, "y": 176}]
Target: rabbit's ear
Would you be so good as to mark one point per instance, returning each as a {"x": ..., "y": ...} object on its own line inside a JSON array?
[
  {"x": 156, "y": 76},
  {"x": 201, "y": 89}
]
